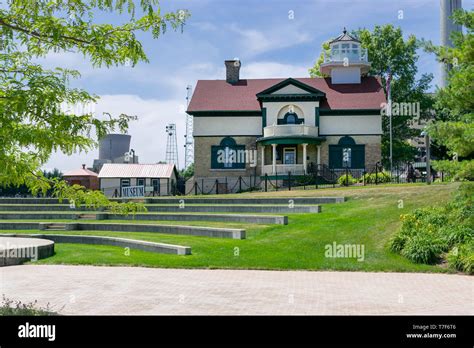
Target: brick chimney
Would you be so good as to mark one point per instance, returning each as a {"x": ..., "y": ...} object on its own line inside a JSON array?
[
  {"x": 232, "y": 68},
  {"x": 83, "y": 166}
]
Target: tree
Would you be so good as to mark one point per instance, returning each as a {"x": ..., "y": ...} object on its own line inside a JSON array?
[
  {"x": 188, "y": 172},
  {"x": 33, "y": 119},
  {"x": 387, "y": 48},
  {"x": 454, "y": 127}
]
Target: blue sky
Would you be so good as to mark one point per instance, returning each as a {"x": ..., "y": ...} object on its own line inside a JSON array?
[{"x": 273, "y": 38}]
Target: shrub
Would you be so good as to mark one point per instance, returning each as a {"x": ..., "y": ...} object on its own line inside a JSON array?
[
  {"x": 10, "y": 307},
  {"x": 346, "y": 180},
  {"x": 423, "y": 249},
  {"x": 382, "y": 177},
  {"x": 461, "y": 258},
  {"x": 426, "y": 234}
]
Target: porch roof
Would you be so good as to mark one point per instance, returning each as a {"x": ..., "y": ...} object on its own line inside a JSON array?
[{"x": 291, "y": 139}]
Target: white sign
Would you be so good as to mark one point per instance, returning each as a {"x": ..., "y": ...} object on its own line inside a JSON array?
[{"x": 133, "y": 191}]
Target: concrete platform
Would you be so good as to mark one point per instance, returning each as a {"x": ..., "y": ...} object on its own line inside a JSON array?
[
  {"x": 217, "y": 208},
  {"x": 15, "y": 251},
  {"x": 129, "y": 227},
  {"x": 90, "y": 290},
  {"x": 220, "y": 208},
  {"x": 244, "y": 218},
  {"x": 192, "y": 199},
  {"x": 161, "y": 248}
]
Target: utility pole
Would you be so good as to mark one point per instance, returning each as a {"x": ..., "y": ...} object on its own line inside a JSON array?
[{"x": 428, "y": 156}]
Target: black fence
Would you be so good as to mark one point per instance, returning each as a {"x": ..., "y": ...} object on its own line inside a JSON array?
[{"x": 317, "y": 177}]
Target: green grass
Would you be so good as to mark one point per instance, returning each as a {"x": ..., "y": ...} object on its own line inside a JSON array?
[{"x": 369, "y": 217}]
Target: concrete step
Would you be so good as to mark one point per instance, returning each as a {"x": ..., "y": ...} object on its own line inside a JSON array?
[
  {"x": 87, "y": 217},
  {"x": 250, "y": 201},
  {"x": 214, "y": 208},
  {"x": 243, "y": 218},
  {"x": 233, "y": 233}
]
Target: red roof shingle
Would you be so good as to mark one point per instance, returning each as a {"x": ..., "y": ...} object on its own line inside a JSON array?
[{"x": 219, "y": 95}]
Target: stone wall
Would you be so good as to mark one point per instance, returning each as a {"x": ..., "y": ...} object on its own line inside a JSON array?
[
  {"x": 202, "y": 158},
  {"x": 373, "y": 152}
]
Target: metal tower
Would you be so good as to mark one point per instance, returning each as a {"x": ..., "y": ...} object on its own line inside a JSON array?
[
  {"x": 188, "y": 137},
  {"x": 447, "y": 8},
  {"x": 171, "y": 145}
]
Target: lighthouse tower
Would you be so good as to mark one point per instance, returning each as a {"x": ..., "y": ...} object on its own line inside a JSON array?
[{"x": 347, "y": 61}]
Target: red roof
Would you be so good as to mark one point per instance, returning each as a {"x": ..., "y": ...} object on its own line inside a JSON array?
[
  {"x": 80, "y": 172},
  {"x": 219, "y": 95},
  {"x": 135, "y": 170}
]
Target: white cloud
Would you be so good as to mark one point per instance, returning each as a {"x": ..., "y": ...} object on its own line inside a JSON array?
[
  {"x": 254, "y": 42},
  {"x": 267, "y": 69}
]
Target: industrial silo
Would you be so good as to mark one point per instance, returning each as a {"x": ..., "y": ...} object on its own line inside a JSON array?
[{"x": 113, "y": 146}]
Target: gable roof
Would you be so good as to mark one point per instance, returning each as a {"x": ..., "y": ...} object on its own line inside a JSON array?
[
  {"x": 287, "y": 82},
  {"x": 119, "y": 170},
  {"x": 218, "y": 95},
  {"x": 80, "y": 172},
  {"x": 344, "y": 37}
]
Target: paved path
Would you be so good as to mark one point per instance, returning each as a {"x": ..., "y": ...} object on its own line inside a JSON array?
[{"x": 128, "y": 290}]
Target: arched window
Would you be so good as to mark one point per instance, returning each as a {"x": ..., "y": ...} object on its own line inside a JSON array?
[
  {"x": 228, "y": 155},
  {"x": 347, "y": 154},
  {"x": 290, "y": 118}
]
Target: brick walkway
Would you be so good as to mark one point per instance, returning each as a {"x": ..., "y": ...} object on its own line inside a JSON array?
[{"x": 128, "y": 290}]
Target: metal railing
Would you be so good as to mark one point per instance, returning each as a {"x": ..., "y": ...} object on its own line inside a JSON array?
[
  {"x": 290, "y": 129},
  {"x": 351, "y": 54}
]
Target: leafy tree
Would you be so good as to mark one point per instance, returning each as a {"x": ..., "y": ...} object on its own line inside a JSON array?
[
  {"x": 55, "y": 173},
  {"x": 33, "y": 123},
  {"x": 454, "y": 128},
  {"x": 388, "y": 49},
  {"x": 188, "y": 172}
]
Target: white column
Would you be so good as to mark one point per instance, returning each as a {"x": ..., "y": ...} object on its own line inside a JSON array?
[
  {"x": 319, "y": 155},
  {"x": 274, "y": 158},
  {"x": 304, "y": 157},
  {"x": 263, "y": 159}
]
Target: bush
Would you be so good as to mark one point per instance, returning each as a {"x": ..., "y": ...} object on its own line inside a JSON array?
[
  {"x": 346, "y": 180},
  {"x": 461, "y": 257},
  {"x": 10, "y": 307},
  {"x": 382, "y": 177},
  {"x": 423, "y": 249},
  {"x": 427, "y": 234}
]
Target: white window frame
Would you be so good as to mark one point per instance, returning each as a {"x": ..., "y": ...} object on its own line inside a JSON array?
[{"x": 285, "y": 150}]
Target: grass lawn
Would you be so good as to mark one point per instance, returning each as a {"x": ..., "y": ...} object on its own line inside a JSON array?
[{"x": 369, "y": 217}]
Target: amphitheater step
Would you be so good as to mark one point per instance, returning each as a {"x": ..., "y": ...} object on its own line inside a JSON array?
[
  {"x": 55, "y": 227},
  {"x": 233, "y": 233},
  {"x": 242, "y": 218},
  {"x": 193, "y": 200},
  {"x": 217, "y": 208},
  {"x": 86, "y": 216},
  {"x": 161, "y": 248}
]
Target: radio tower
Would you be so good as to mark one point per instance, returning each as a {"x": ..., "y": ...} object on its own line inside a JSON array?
[
  {"x": 171, "y": 145},
  {"x": 188, "y": 137}
]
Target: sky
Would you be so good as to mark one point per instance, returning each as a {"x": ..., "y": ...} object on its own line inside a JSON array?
[{"x": 272, "y": 38}]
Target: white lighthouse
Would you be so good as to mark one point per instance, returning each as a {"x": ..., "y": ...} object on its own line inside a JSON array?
[{"x": 347, "y": 61}]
